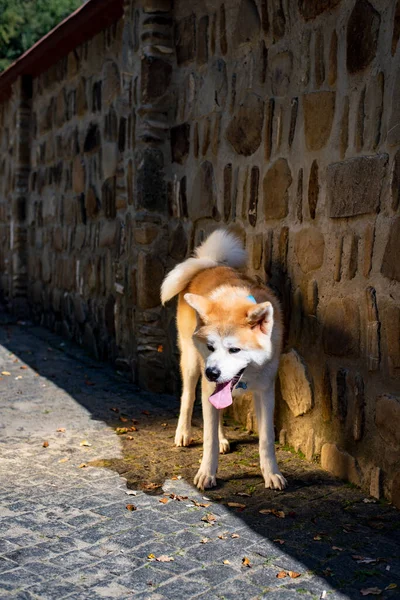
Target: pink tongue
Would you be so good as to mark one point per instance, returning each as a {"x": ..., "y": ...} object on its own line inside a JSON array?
[{"x": 222, "y": 396}]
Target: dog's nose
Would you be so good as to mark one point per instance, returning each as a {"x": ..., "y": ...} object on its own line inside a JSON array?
[{"x": 212, "y": 373}]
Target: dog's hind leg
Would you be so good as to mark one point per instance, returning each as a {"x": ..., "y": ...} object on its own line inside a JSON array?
[
  {"x": 206, "y": 475},
  {"x": 190, "y": 369},
  {"x": 224, "y": 446}
]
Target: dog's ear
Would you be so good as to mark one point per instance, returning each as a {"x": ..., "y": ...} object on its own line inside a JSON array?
[
  {"x": 261, "y": 315},
  {"x": 200, "y": 304}
]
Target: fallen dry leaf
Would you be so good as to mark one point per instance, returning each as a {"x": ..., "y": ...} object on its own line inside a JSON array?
[
  {"x": 222, "y": 537},
  {"x": 163, "y": 500},
  {"x": 210, "y": 518},
  {"x": 63, "y": 460},
  {"x": 391, "y": 586},
  {"x": 133, "y": 428},
  {"x": 293, "y": 574},
  {"x": 374, "y": 591},
  {"x": 364, "y": 560},
  {"x": 160, "y": 348},
  {"x": 85, "y": 443},
  {"x": 23, "y": 367},
  {"x": 82, "y": 466},
  {"x": 205, "y": 541},
  {"x": 164, "y": 424},
  {"x": 19, "y": 377},
  {"x": 121, "y": 430},
  {"x": 123, "y": 419},
  {"x": 115, "y": 409},
  {"x": 337, "y": 548},
  {"x": 131, "y": 507},
  {"x": 317, "y": 538},
  {"x": 129, "y": 437},
  {"x": 45, "y": 444},
  {"x": 246, "y": 562},
  {"x": 61, "y": 430},
  {"x": 5, "y": 373},
  {"x": 151, "y": 486},
  {"x": 272, "y": 511},
  {"x": 151, "y": 556},
  {"x": 164, "y": 558},
  {"x": 243, "y": 494},
  {"x": 236, "y": 505},
  {"x": 177, "y": 497},
  {"x": 235, "y": 535},
  {"x": 281, "y": 574},
  {"x": 145, "y": 412},
  {"x": 226, "y": 562},
  {"x": 201, "y": 504},
  {"x": 278, "y": 541}
]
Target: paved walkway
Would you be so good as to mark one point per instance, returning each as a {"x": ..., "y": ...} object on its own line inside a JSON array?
[{"x": 65, "y": 531}]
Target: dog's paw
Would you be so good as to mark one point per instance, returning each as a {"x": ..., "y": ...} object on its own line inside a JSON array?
[
  {"x": 224, "y": 446},
  {"x": 274, "y": 481},
  {"x": 204, "y": 480},
  {"x": 183, "y": 437}
]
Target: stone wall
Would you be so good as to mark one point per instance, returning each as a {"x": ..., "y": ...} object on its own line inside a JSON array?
[{"x": 278, "y": 119}]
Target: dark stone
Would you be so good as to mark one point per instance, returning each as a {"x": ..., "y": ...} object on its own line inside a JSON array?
[
  {"x": 264, "y": 16},
  {"x": 293, "y": 120},
  {"x": 354, "y": 185},
  {"x": 393, "y": 134},
  {"x": 111, "y": 82},
  {"x": 278, "y": 20},
  {"x": 395, "y": 182},
  {"x": 342, "y": 398},
  {"x": 359, "y": 408},
  {"x": 202, "y": 41},
  {"x": 108, "y": 193},
  {"x": 109, "y": 315},
  {"x": 122, "y": 134},
  {"x": 151, "y": 192},
  {"x": 185, "y": 39},
  {"x": 310, "y": 9},
  {"x": 319, "y": 50},
  {"x": 204, "y": 193},
  {"x": 180, "y": 142},
  {"x": 92, "y": 139},
  {"x": 178, "y": 244},
  {"x": 155, "y": 78},
  {"x": 391, "y": 259},
  {"x": 248, "y": 24},
  {"x": 353, "y": 258},
  {"x": 150, "y": 274},
  {"x": 396, "y": 28},
  {"x": 92, "y": 203},
  {"x": 183, "y": 203},
  {"x": 299, "y": 196},
  {"x": 281, "y": 69},
  {"x": 269, "y": 118},
  {"x": 96, "y": 96},
  {"x": 319, "y": 110},
  {"x": 245, "y": 129},
  {"x": 313, "y": 189},
  {"x": 326, "y": 396},
  {"x": 254, "y": 183},
  {"x": 341, "y": 333},
  {"x": 362, "y": 36},
  {"x": 333, "y": 49},
  {"x": 227, "y": 191},
  {"x": 276, "y": 184},
  {"x": 359, "y": 127},
  {"x": 223, "y": 42}
]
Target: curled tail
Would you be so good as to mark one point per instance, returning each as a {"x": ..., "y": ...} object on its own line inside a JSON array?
[{"x": 220, "y": 248}]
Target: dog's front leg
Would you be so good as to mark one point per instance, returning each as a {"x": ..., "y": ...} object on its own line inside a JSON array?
[
  {"x": 206, "y": 475},
  {"x": 264, "y": 403}
]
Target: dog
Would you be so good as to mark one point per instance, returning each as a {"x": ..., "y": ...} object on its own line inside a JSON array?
[{"x": 229, "y": 333}]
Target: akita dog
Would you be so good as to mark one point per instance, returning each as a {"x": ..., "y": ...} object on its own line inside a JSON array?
[{"x": 230, "y": 333}]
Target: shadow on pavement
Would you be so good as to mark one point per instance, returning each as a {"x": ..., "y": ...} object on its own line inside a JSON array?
[{"x": 317, "y": 525}]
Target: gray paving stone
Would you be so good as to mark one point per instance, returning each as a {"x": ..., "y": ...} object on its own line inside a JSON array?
[{"x": 17, "y": 579}]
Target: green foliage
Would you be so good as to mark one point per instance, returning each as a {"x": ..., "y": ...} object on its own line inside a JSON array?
[{"x": 24, "y": 22}]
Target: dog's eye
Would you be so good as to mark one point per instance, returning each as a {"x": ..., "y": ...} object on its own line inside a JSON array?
[
  {"x": 234, "y": 350},
  {"x": 210, "y": 347}
]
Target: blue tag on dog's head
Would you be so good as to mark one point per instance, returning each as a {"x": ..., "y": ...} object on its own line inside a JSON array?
[
  {"x": 242, "y": 385},
  {"x": 250, "y": 297}
]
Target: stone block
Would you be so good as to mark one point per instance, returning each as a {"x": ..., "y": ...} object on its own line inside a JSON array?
[
  {"x": 319, "y": 51},
  {"x": 341, "y": 331},
  {"x": 92, "y": 203},
  {"x": 375, "y": 483},
  {"x": 309, "y": 247},
  {"x": 202, "y": 40},
  {"x": 245, "y": 129},
  {"x": 185, "y": 39},
  {"x": 151, "y": 189},
  {"x": 281, "y": 67},
  {"x": 204, "y": 194},
  {"x": 387, "y": 419},
  {"x": 145, "y": 234},
  {"x": 276, "y": 183},
  {"x": 391, "y": 319},
  {"x": 248, "y": 23},
  {"x": 178, "y": 242},
  {"x": 313, "y": 189},
  {"x": 109, "y": 234},
  {"x": 111, "y": 87},
  {"x": 152, "y": 6},
  {"x": 340, "y": 463},
  {"x": 295, "y": 384},
  {"x": 362, "y": 36},
  {"x": 319, "y": 110},
  {"x": 391, "y": 259},
  {"x": 333, "y": 49},
  {"x": 78, "y": 175},
  {"x": 150, "y": 273},
  {"x": 395, "y": 182},
  {"x": 354, "y": 185},
  {"x": 309, "y": 9},
  {"x": 395, "y": 490},
  {"x": 155, "y": 78},
  {"x": 109, "y": 159},
  {"x": 180, "y": 143},
  {"x": 92, "y": 141}
]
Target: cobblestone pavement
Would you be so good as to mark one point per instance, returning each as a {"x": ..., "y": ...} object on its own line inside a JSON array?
[{"x": 65, "y": 531}]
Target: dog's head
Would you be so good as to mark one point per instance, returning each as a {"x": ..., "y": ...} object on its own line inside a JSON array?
[{"x": 232, "y": 333}]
